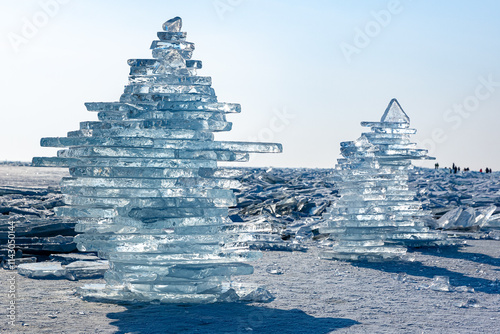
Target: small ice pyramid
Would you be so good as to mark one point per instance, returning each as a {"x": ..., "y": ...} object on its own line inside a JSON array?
[
  {"x": 377, "y": 214},
  {"x": 146, "y": 189}
]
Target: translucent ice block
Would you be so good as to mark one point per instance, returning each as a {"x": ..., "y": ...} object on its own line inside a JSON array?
[{"x": 146, "y": 189}]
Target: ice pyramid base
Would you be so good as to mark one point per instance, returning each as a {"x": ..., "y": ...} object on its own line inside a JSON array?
[
  {"x": 421, "y": 239},
  {"x": 228, "y": 292},
  {"x": 373, "y": 253},
  {"x": 419, "y": 236},
  {"x": 433, "y": 240}
]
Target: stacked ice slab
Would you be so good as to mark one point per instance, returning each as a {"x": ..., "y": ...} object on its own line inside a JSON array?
[
  {"x": 377, "y": 214},
  {"x": 146, "y": 189}
]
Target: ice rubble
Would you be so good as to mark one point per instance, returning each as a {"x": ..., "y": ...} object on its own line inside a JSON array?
[
  {"x": 146, "y": 189},
  {"x": 288, "y": 199},
  {"x": 377, "y": 213},
  {"x": 462, "y": 201},
  {"x": 293, "y": 199},
  {"x": 31, "y": 211}
]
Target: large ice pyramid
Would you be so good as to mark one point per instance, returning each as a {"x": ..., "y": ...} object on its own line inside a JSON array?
[
  {"x": 377, "y": 214},
  {"x": 146, "y": 189}
]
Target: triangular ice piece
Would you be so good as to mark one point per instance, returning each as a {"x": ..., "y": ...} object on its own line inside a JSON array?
[{"x": 394, "y": 113}]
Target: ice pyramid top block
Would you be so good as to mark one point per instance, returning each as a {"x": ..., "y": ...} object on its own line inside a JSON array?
[
  {"x": 173, "y": 25},
  {"x": 146, "y": 189},
  {"x": 377, "y": 214},
  {"x": 394, "y": 113}
]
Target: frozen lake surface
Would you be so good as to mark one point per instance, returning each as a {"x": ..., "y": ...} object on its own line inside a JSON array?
[{"x": 443, "y": 290}]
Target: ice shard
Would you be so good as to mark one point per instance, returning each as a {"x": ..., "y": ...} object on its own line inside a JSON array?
[
  {"x": 377, "y": 214},
  {"x": 146, "y": 189}
]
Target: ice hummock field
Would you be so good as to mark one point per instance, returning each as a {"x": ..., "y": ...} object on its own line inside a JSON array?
[{"x": 443, "y": 290}]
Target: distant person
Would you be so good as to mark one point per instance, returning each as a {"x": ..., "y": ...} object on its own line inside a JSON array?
[
  {"x": 436, "y": 165},
  {"x": 481, "y": 170},
  {"x": 459, "y": 169}
]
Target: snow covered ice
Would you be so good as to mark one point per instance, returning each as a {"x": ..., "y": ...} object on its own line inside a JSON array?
[
  {"x": 146, "y": 189},
  {"x": 377, "y": 214}
]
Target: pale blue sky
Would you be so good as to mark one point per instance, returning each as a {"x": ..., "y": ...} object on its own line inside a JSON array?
[{"x": 273, "y": 57}]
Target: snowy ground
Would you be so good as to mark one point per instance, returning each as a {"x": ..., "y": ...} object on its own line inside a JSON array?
[{"x": 312, "y": 295}]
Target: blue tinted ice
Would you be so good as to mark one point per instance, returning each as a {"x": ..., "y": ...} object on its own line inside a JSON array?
[{"x": 146, "y": 189}]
